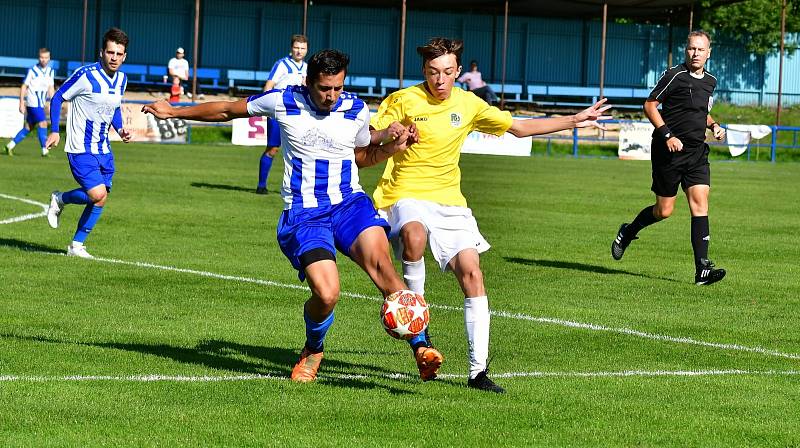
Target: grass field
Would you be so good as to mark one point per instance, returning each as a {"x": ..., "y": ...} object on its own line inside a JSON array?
[{"x": 184, "y": 331}]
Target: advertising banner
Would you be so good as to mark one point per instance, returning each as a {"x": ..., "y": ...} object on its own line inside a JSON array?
[{"x": 634, "y": 140}]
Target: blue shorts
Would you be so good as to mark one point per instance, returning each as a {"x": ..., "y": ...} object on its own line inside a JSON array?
[
  {"x": 273, "y": 133},
  {"x": 35, "y": 115},
  {"x": 331, "y": 227},
  {"x": 91, "y": 170}
]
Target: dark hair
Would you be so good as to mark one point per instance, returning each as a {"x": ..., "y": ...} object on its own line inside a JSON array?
[
  {"x": 328, "y": 62},
  {"x": 117, "y": 36},
  {"x": 473, "y": 62},
  {"x": 439, "y": 46},
  {"x": 44, "y": 50},
  {"x": 298, "y": 38},
  {"x": 698, "y": 33}
]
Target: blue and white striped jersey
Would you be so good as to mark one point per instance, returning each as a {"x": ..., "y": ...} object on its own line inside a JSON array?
[
  {"x": 287, "y": 73},
  {"x": 39, "y": 81},
  {"x": 318, "y": 147},
  {"x": 95, "y": 102}
]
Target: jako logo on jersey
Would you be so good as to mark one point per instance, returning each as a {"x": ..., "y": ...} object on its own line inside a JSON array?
[
  {"x": 710, "y": 103},
  {"x": 417, "y": 119},
  {"x": 455, "y": 120}
]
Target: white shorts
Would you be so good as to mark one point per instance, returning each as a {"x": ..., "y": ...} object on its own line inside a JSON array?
[{"x": 450, "y": 229}]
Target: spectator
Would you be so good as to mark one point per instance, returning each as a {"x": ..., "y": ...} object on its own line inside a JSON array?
[
  {"x": 476, "y": 85},
  {"x": 175, "y": 90},
  {"x": 178, "y": 68}
]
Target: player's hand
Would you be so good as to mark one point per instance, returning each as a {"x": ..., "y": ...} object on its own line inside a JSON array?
[
  {"x": 674, "y": 144},
  {"x": 22, "y": 108},
  {"x": 52, "y": 140},
  {"x": 719, "y": 132},
  {"x": 413, "y": 135},
  {"x": 592, "y": 115},
  {"x": 124, "y": 135},
  {"x": 160, "y": 109}
]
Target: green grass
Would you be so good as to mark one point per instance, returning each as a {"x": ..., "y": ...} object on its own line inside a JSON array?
[{"x": 550, "y": 222}]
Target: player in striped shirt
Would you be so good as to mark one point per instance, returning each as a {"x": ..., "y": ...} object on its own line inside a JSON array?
[
  {"x": 95, "y": 91},
  {"x": 36, "y": 89},
  {"x": 327, "y": 137},
  {"x": 288, "y": 71}
]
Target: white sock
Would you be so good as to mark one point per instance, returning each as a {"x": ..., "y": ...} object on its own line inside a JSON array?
[
  {"x": 414, "y": 275},
  {"x": 11, "y": 144},
  {"x": 76, "y": 244},
  {"x": 476, "y": 322}
]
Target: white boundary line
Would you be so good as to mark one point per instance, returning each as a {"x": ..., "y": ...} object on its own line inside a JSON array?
[
  {"x": 504, "y": 314},
  {"x": 151, "y": 378},
  {"x": 24, "y": 217}
]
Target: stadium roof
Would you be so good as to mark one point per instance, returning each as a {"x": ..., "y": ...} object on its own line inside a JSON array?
[{"x": 636, "y": 9}]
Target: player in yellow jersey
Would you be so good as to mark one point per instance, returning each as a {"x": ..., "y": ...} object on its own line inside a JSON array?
[{"x": 420, "y": 189}]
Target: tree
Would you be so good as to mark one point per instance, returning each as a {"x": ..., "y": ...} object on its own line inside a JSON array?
[{"x": 754, "y": 23}]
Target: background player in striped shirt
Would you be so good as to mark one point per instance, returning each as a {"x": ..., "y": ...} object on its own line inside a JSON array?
[
  {"x": 287, "y": 71},
  {"x": 36, "y": 89},
  {"x": 420, "y": 190},
  {"x": 95, "y": 91},
  {"x": 327, "y": 137}
]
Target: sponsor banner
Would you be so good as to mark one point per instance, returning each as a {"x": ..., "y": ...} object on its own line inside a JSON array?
[
  {"x": 506, "y": 144},
  {"x": 250, "y": 131},
  {"x": 634, "y": 140},
  {"x": 147, "y": 128},
  {"x": 11, "y": 120}
]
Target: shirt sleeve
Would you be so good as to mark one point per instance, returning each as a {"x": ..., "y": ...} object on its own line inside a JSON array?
[
  {"x": 278, "y": 71},
  {"x": 363, "y": 136},
  {"x": 264, "y": 104},
  {"x": 28, "y": 77},
  {"x": 51, "y": 79},
  {"x": 663, "y": 86},
  {"x": 490, "y": 119},
  {"x": 390, "y": 110},
  {"x": 72, "y": 87}
]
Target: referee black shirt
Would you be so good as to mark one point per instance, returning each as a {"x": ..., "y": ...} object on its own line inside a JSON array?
[{"x": 685, "y": 103}]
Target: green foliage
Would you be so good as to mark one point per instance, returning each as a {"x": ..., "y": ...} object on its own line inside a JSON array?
[{"x": 754, "y": 23}]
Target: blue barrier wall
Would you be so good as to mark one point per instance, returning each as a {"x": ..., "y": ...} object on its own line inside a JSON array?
[{"x": 252, "y": 35}]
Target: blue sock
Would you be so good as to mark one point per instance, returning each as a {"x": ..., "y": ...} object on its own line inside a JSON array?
[
  {"x": 42, "y": 135},
  {"x": 263, "y": 170},
  {"x": 315, "y": 332},
  {"x": 76, "y": 196},
  {"x": 420, "y": 340},
  {"x": 20, "y": 135},
  {"x": 90, "y": 216}
]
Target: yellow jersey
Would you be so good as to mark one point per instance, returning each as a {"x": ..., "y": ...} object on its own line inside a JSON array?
[{"x": 429, "y": 169}]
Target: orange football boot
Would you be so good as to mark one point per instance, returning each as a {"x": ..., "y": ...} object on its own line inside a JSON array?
[
  {"x": 305, "y": 371},
  {"x": 428, "y": 361}
]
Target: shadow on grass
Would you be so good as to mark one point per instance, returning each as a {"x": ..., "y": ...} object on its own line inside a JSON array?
[
  {"x": 233, "y": 357},
  {"x": 30, "y": 247},
  {"x": 223, "y": 187},
  {"x": 581, "y": 267}
]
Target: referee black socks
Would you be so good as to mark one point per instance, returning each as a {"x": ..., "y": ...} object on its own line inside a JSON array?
[
  {"x": 643, "y": 219},
  {"x": 700, "y": 238}
]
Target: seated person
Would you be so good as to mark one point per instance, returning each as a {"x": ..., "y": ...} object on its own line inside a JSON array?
[{"x": 476, "y": 85}]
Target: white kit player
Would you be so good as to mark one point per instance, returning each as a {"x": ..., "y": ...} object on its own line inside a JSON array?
[
  {"x": 95, "y": 92},
  {"x": 36, "y": 89},
  {"x": 288, "y": 71},
  {"x": 327, "y": 137}
]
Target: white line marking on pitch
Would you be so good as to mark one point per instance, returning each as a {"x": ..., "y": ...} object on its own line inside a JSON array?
[
  {"x": 517, "y": 316},
  {"x": 24, "y": 217},
  {"x": 399, "y": 376}
]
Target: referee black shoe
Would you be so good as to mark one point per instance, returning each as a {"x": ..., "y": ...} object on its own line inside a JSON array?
[
  {"x": 706, "y": 274},
  {"x": 261, "y": 190},
  {"x": 621, "y": 243},
  {"x": 482, "y": 382}
]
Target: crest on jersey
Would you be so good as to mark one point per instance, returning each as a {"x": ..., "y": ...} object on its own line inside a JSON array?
[
  {"x": 317, "y": 139},
  {"x": 455, "y": 119},
  {"x": 710, "y": 103}
]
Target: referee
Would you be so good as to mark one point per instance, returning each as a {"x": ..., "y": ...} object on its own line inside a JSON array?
[{"x": 679, "y": 154}]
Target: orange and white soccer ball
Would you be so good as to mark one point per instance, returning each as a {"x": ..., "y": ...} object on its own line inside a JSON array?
[{"x": 404, "y": 314}]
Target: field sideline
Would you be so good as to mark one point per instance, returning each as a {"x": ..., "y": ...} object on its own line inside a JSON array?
[{"x": 184, "y": 331}]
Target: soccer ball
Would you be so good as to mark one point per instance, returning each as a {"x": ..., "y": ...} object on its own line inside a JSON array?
[{"x": 404, "y": 314}]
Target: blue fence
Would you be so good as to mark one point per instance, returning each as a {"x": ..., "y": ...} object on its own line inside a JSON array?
[
  {"x": 773, "y": 146},
  {"x": 249, "y": 35}
]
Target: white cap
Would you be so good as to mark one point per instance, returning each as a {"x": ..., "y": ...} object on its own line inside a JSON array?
[{"x": 179, "y": 50}]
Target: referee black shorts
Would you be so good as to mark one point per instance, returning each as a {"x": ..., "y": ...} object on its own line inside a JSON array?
[{"x": 686, "y": 168}]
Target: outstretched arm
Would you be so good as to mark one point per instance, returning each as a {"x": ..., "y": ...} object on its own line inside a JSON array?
[
  {"x": 587, "y": 117},
  {"x": 386, "y": 143},
  {"x": 211, "y": 111}
]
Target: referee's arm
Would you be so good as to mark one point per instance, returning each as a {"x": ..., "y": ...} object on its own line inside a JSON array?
[{"x": 651, "y": 110}]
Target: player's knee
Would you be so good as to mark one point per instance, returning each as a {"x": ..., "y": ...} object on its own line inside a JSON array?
[
  {"x": 472, "y": 278},
  {"x": 328, "y": 295},
  {"x": 99, "y": 196},
  {"x": 663, "y": 211},
  {"x": 414, "y": 241}
]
